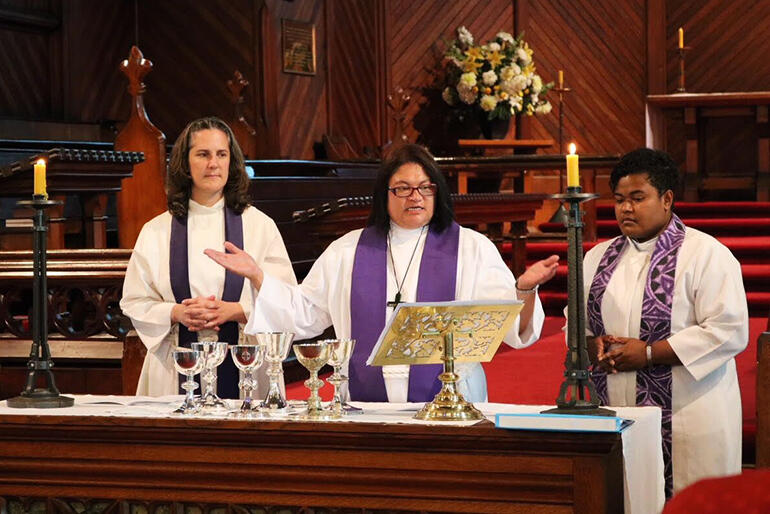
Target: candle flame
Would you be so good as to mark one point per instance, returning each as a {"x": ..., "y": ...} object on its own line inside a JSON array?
[
  {"x": 41, "y": 161},
  {"x": 572, "y": 148}
]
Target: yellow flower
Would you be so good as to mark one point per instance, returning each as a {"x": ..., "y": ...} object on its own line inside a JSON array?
[
  {"x": 471, "y": 66},
  {"x": 474, "y": 53},
  {"x": 495, "y": 59},
  {"x": 487, "y": 90},
  {"x": 504, "y": 96}
]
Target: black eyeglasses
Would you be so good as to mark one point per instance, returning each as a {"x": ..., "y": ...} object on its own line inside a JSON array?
[{"x": 406, "y": 191}]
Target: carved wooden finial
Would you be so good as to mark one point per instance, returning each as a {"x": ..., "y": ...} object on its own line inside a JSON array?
[
  {"x": 245, "y": 134},
  {"x": 235, "y": 85},
  {"x": 398, "y": 101},
  {"x": 135, "y": 68}
]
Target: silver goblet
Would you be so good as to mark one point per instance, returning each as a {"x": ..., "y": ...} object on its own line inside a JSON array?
[
  {"x": 277, "y": 345},
  {"x": 247, "y": 358},
  {"x": 341, "y": 350},
  {"x": 213, "y": 355},
  {"x": 313, "y": 356},
  {"x": 189, "y": 363}
]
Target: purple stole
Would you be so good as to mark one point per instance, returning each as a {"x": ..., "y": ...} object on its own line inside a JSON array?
[
  {"x": 227, "y": 374},
  {"x": 653, "y": 385},
  {"x": 368, "y": 290}
]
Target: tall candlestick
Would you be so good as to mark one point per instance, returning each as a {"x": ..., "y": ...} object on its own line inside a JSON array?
[
  {"x": 39, "y": 183},
  {"x": 561, "y": 79},
  {"x": 573, "y": 174},
  {"x": 681, "y": 37}
]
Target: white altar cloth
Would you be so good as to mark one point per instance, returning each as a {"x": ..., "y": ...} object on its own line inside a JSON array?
[{"x": 642, "y": 455}]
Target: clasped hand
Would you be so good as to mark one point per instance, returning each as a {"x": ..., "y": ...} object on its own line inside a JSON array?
[
  {"x": 613, "y": 353},
  {"x": 205, "y": 312}
]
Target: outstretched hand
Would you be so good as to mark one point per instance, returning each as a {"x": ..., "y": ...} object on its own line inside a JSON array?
[
  {"x": 539, "y": 273},
  {"x": 237, "y": 261}
]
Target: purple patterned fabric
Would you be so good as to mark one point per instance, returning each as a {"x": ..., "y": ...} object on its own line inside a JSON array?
[
  {"x": 653, "y": 385},
  {"x": 368, "y": 291},
  {"x": 227, "y": 374}
]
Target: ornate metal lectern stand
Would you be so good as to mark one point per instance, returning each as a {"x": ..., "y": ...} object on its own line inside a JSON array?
[
  {"x": 577, "y": 394},
  {"x": 448, "y": 332},
  {"x": 40, "y": 362}
]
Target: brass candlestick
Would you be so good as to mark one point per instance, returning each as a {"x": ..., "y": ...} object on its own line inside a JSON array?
[
  {"x": 577, "y": 394},
  {"x": 682, "y": 51},
  {"x": 40, "y": 362}
]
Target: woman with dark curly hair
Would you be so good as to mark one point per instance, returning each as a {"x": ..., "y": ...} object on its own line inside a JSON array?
[
  {"x": 172, "y": 292},
  {"x": 411, "y": 250}
]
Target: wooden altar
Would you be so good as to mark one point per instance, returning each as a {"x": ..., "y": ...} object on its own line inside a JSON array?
[{"x": 306, "y": 467}]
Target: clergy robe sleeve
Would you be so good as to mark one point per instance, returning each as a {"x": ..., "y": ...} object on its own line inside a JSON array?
[
  {"x": 302, "y": 309},
  {"x": 715, "y": 315},
  {"x": 494, "y": 281},
  {"x": 265, "y": 244},
  {"x": 142, "y": 301}
]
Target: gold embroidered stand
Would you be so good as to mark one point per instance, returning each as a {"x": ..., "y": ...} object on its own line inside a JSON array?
[{"x": 448, "y": 332}]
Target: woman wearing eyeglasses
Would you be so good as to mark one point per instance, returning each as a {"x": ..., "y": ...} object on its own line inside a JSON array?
[{"x": 411, "y": 250}]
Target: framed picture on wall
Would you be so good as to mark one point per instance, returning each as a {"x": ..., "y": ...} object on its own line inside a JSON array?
[{"x": 298, "y": 47}]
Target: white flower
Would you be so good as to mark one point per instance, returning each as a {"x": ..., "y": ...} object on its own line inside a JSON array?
[
  {"x": 467, "y": 79},
  {"x": 534, "y": 98},
  {"x": 489, "y": 77},
  {"x": 544, "y": 108},
  {"x": 448, "y": 96},
  {"x": 494, "y": 47},
  {"x": 467, "y": 95},
  {"x": 515, "y": 104},
  {"x": 537, "y": 84},
  {"x": 504, "y": 36},
  {"x": 509, "y": 72},
  {"x": 464, "y": 36},
  {"x": 488, "y": 102},
  {"x": 523, "y": 56},
  {"x": 514, "y": 86}
]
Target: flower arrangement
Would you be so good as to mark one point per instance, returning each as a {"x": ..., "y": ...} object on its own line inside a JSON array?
[{"x": 498, "y": 77}]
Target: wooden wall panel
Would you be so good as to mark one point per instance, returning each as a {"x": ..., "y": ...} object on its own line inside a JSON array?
[
  {"x": 67, "y": 72},
  {"x": 356, "y": 98},
  {"x": 195, "y": 48},
  {"x": 97, "y": 36},
  {"x": 600, "y": 45},
  {"x": 25, "y": 86},
  {"x": 302, "y": 99},
  {"x": 417, "y": 40}
]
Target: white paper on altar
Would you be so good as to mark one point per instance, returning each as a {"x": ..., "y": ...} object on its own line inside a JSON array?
[{"x": 461, "y": 303}]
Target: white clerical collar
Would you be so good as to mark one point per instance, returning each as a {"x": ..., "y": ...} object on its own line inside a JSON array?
[
  {"x": 196, "y": 208},
  {"x": 399, "y": 234},
  {"x": 645, "y": 247}
]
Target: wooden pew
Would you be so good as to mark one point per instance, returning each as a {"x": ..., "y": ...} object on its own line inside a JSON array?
[
  {"x": 86, "y": 327},
  {"x": 333, "y": 219},
  {"x": 763, "y": 398},
  {"x": 88, "y": 173}
]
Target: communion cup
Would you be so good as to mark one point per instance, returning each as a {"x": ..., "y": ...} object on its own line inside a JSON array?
[
  {"x": 341, "y": 349},
  {"x": 276, "y": 345},
  {"x": 313, "y": 356},
  {"x": 213, "y": 355},
  {"x": 189, "y": 363},
  {"x": 247, "y": 358}
]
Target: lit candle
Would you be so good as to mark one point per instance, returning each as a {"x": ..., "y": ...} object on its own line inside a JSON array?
[
  {"x": 39, "y": 184},
  {"x": 561, "y": 79},
  {"x": 681, "y": 37},
  {"x": 573, "y": 175}
]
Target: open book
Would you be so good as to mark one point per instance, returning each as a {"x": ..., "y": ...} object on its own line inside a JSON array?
[{"x": 562, "y": 422}]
